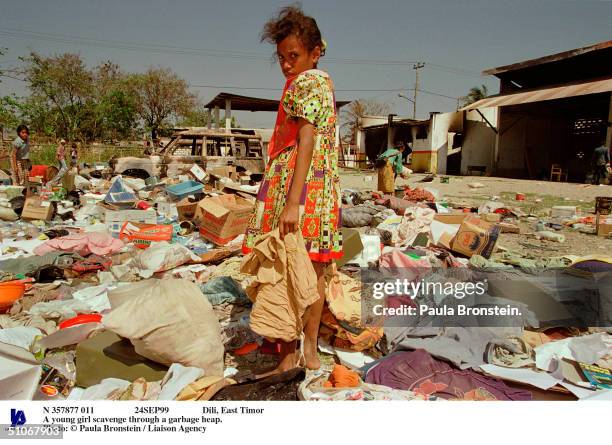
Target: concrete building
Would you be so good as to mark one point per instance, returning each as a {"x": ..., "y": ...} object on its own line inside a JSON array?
[
  {"x": 553, "y": 110},
  {"x": 446, "y": 143}
]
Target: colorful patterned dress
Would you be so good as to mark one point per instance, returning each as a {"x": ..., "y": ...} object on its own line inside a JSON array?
[{"x": 309, "y": 96}]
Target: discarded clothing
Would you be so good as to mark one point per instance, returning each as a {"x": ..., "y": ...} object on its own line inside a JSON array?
[
  {"x": 82, "y": 243},
  {"x": 222, "y": 290},
  {"x": 361, "y": 215},
  {"x": 29, "y": 265},
  {"x": 159, "y": 257},
  {"x": 285, "y": 285},
  {"x": 341, "y": 335},
  {"x": 419, "y": 372},
  {"x": 511, "y": 353},
  {"x": 464, "y": 347},
  {"x": 342, "y": 377}
]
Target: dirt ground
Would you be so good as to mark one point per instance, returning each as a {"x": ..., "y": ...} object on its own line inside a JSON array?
[{"x": 540, "y": 196}]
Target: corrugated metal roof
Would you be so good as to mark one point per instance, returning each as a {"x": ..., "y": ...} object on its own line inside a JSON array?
[
  {"x": 548, "y": 59},
  {"x": 580, "y": 89}
]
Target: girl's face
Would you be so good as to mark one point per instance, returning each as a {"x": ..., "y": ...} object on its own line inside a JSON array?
[
  {"x": 23, "y": 134},
  {"x": 294, "y": 57}
]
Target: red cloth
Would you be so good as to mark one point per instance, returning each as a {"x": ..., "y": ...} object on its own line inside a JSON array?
[{"x": 285, "y": 129}]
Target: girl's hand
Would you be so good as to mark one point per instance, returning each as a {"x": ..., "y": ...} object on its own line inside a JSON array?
[{"x": 289, "y": 219}]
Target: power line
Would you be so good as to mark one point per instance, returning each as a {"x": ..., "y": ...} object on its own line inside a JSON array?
[
  {"x": 235, "y": 87},
  {"x": 181, "y": 50}
]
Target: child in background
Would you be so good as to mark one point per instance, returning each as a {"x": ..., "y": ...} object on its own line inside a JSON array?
[
  {"x": 20, "y": 156},
  {"x": 60, "y": 156},
  {"x": 74, "y": 155},
  {"x": 301, "y": 185}
]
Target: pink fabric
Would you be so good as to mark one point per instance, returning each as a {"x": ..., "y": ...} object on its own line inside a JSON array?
[
  {"x": 396, "y": 263},
  {"x": 82, "y": 243}
]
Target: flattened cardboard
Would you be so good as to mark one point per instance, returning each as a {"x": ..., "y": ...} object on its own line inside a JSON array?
[
  {"x": 107, "y": 355},
  {"x": 451, "y": 218},
  {"x": 19, "y": 373}
]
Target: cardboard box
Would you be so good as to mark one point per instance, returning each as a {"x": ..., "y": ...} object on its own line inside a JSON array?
[
  {"x": 351, "y": 245},
  {"x": 107, "y": 355},
  {"x": 603, "y": 204},
  {"x": 604, "y": 225},
  {"x": 451, "y": 218},
  {"x": 186, "y": 209},
  {"x": 222, "y": 218},
  {"x": 116, "y": 218},
  {"x": 36, "y": 208},
  {"x": 475, "y": 237},
  {"x": 228, "y": 171},
  {"x": 491, "y": 217},
  {"x": 20, "y": 373}
]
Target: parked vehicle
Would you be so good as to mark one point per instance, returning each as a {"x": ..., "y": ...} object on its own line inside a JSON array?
[{"x": 207, "y": 148}]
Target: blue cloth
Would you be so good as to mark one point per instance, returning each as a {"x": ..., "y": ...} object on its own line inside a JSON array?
[{"x": 225, "y": 289}]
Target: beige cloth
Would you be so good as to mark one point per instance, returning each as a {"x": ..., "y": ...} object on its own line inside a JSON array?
[
  {"x": 386, "y": 178},
  {"x": 285, "y": 285}
]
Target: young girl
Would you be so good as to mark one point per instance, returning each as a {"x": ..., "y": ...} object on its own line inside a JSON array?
[{"x": 301, "y": 185}]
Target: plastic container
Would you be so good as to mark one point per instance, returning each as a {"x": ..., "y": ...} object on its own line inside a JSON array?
[
  {"x": 520, "y": 196},
  {"x": 80, "y": 319},
  {"x": 184, "y": 189},
  {"x": 10, "y": 291}
]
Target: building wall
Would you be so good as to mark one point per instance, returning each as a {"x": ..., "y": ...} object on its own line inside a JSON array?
[
  {"x": 479, "y": 139},
  {"x": 422, "y": 157}
]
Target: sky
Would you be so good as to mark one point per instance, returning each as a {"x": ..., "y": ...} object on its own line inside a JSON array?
[{"x": 372, "y": 45}]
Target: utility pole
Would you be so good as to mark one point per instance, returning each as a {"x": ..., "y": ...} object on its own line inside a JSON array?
[{"x": 416, "y": 67}]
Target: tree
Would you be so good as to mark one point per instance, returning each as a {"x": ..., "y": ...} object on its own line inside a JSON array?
[
  {"x": 115, "y": 108},
  {"x": 475, "y": 94},
  {"x": 10, "y": 112},
  {"x": 353, "y": 112},
  {"x": 161, "y": 95},
  {"x": 66, "y": 85}
]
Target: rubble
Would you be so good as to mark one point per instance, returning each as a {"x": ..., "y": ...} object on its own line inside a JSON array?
[{"x": 137, "y": 267}]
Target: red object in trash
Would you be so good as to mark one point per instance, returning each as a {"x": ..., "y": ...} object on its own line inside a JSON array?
[
  {"x": 246, "y": 349},
  {"x": 270, "y": 348},
  {"x": 81, "y": 319},
  {"x": 520, "y": 196},
  {"x": 39, "y": 170},
  {"x": 143, "y": 205}
]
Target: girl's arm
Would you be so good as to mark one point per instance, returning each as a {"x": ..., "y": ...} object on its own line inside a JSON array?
[{"x": 289, "y": 219}]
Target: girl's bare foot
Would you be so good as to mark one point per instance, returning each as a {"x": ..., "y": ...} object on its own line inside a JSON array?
[{"x": 287, "y": 360}]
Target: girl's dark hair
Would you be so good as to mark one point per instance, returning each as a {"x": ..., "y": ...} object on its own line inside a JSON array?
[
  {"x": 21, "y": 128},
  {"x": 74, "y": 145},
  {"x": 292, "y": 20}
]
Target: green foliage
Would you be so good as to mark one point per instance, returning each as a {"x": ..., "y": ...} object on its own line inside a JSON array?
[
  {"x": 10, "y": 111},
  {"x": 475, "y": 94},
  {"x": 160, "y": 96}
]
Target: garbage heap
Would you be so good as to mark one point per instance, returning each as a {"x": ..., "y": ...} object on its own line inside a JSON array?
[{"x": 119, "y": 288}]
